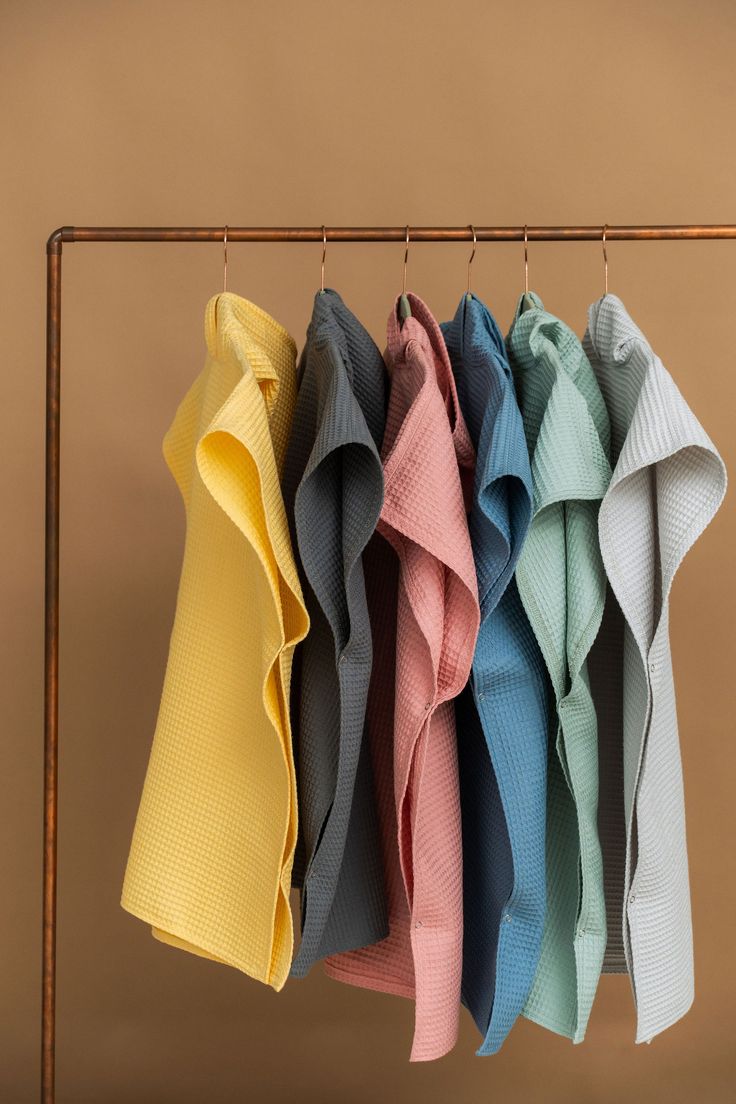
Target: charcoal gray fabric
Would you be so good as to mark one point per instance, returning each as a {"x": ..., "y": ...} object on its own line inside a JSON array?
[{"x": 333, "y": 491}]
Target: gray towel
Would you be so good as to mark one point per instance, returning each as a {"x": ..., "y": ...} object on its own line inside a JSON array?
[
  {"x": 668, "y": 482},
  {"x": 333, "y": 491}
]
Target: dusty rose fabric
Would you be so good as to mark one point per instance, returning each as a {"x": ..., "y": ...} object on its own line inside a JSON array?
[{"x": 428, "y": 474}]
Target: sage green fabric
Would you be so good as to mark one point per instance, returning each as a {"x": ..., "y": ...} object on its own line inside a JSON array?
[{"x": 562, "y": 585}]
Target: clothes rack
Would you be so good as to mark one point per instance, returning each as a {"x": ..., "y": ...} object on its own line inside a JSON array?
[{"x": 54, "y": 247}]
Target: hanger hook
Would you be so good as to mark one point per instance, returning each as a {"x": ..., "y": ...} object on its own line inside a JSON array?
[
  {"x": 526, "y": 259},
  {"x": 406, "y": 261},
  {"x": 324, "y": 253},
  {"x": 605, "y": 260},
  {"x": 224, "y": 259},
  {"x": 470, "y": 261}
]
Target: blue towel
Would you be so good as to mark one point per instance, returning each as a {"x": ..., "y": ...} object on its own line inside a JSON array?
[{"x": 503, "y": 714}]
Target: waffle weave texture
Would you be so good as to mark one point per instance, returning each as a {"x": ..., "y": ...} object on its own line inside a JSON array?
[
  {"x": 333, "y": 490},
  {"x": 503, "y": 714},
  {"x": 562, "y": 586},
  {"x": 210, "y": 861},
  {"x": 428, "y": 475},
  {"x": 668, "y": 483}
]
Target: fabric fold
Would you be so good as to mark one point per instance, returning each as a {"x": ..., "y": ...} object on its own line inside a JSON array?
[
  {"x": 668, "y": 482},
  {"x": 503, "y": 714},
  {"x": 562, "y": 587},
  {"x": 212, "y": 850},
  {"x": 333, "y": 488},
  {"x": 428, "y": 469}
]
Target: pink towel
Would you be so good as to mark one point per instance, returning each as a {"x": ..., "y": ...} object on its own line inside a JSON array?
[{"x": 428, "y": 471}]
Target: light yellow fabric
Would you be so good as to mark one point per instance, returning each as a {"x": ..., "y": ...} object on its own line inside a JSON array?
[{"x": 212, "y": 851}]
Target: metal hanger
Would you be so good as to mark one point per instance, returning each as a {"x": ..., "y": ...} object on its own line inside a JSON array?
[
  {"x": 527, "y": 303},
  {"x": 224, "y": 269},
  {"x": 404, "y": 304},
  {"x": 324, "y": 252},
  {"x": 605, "y": 261},
  {"x": 526, "y": 260},
  {"x": 469, "y": 294}
]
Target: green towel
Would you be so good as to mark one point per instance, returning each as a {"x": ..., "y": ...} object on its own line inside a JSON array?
[{"x": 562, "y": 586}]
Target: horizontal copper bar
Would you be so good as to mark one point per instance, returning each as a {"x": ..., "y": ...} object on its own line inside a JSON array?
[{"x": 382, "y": 233}]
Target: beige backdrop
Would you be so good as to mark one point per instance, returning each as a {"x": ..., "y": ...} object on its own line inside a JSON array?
[{"x": 302, "y": 113}]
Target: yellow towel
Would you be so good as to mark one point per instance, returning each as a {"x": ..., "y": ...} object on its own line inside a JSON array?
[{"x": 212, "y": 850}]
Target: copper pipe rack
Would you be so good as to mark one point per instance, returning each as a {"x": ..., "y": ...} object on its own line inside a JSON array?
[{"x": 70, "y": 234}]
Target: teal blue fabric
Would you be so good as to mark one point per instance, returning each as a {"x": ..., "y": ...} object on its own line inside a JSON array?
[{"x": 503, "y": 717}]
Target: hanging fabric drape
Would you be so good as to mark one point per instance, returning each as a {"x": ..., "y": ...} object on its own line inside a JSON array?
[
  {"x": 562, "y": 587},
  {"x": 210, "y": 862},
  {"x": 667, "y": 484},
  {"x": 333, "y": 486},
  {"x": 503, "y": 712},
  {"x": 428, "y": 467}
]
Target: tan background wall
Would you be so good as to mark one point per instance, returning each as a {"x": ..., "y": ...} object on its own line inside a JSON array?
[{"x": 303, "y": 113}]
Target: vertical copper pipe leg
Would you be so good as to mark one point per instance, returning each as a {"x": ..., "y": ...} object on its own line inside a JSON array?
[{"x": 51, "y": 666}]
